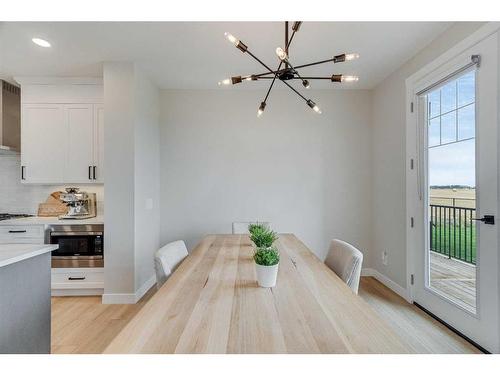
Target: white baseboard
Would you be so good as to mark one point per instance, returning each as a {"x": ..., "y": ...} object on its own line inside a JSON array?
[
  {"x": 129, "y": 298},
  {"x": 76, "y": 292},
  {"x": 118, "y": 298},
  {"x": 395, "y": 287}
]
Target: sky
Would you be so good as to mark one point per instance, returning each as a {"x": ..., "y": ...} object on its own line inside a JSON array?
[{"x": 451, "y": 132}]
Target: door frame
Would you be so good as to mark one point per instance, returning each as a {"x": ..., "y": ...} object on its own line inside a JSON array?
[{"x": 413, "y": 84}]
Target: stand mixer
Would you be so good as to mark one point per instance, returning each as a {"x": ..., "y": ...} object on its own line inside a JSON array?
[{"x": 81, "y": 205}]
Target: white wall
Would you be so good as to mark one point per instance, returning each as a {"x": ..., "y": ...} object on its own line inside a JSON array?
[
  {"x": 16, "y": 197},
  {"x": 147, "y": 178},
  {"x": 132, "y": 178},
  {"x": 308, "y": 174},
  {"x": 389, "y": 154},
  {"x": 119, "y": 187}
]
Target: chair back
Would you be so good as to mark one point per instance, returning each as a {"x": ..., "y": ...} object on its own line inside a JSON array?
[
  {"x": 167, "y": 259},
  {"x": 346, "y": 261},
  {"x": 241, "y": 227}
]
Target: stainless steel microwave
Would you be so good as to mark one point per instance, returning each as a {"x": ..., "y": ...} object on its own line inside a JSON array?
[{"x": 80, "y": 245}]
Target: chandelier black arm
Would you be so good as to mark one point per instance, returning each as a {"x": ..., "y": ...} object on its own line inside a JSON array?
[
  {"x": 261, "y": 77},
  {"x": 297, "y": 67},
  {"x": 293, "y": 89},
  {"x": 272, "y": 83},
  {"x": 260, "y": 61}
]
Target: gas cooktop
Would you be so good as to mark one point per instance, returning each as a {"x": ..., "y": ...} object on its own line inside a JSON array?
[{"x": 13, "y": 216}]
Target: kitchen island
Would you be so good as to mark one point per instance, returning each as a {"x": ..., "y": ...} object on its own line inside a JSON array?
[{"x": 25, "y": 298}]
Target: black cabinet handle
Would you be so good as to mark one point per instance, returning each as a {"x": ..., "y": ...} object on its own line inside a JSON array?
[
  {"x": 93, "y": 171},
  {"x": 76, "y": 278},
  {"x": 22, "y": 172},
  {"x": 17, "y": 231},
  {"x": 90, "y": 172}
]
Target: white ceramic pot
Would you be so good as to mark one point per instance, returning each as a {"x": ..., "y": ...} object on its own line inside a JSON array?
[{"x": 266, "y": 275}]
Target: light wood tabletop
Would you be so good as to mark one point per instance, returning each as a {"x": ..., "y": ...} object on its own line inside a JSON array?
[{"x": 212, "y": 304}]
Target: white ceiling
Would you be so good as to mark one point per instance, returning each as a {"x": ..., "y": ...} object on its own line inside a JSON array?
[{"x": 196, "y": 54}]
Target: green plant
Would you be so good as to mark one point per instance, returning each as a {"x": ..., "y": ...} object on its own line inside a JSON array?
[
  {"x": 252, "y": 227},
  {"x": 268, "y": 256},
  {"x": 263, "y": 237}
]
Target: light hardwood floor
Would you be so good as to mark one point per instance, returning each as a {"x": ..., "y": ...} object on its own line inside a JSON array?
[
  {"x": 422, "y": 332},
  {"x": 84, "y": 325}
]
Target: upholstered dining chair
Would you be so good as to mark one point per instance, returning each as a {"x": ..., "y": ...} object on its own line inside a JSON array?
[
  {"x": 167, "y": 259},
  {"x": 346, "y": 261},
  {"x": 241, "y": 227}
]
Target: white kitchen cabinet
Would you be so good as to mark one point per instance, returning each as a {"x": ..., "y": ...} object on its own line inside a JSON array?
[
  {"x": 22, "y": 234},
  {"x": 98, "y": 172},
  {"x": 62, "y": 143},
  {"x": 62, "y": 128},
  {"x": 80, "y": 139},
  {"x": 77, "y": 281},
  {"x": 43, "y": 143}
]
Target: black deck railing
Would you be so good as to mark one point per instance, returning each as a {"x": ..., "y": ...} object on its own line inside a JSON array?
[{"x": 453, "y": 232}]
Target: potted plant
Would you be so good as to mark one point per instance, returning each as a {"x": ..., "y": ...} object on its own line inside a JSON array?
[
  {"x": 266, "y": 256},
  {"x": 266, "y": 264}
]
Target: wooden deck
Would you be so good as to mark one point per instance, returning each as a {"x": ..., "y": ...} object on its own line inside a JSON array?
[{"x": 454, "y": 279}]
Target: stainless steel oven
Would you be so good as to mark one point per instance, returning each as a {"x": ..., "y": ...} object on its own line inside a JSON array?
[{"x": 79, "y": 245}]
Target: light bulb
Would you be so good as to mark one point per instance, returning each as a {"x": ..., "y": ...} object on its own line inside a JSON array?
[
  {"x": 226, "y": 81},
  {"x": 349, "y": 78},
  {"x": 261, "y": 109},
  {"x": 281, "y": 54},
  {"x": 313, "y": 105},
  {"x": 352, "y": 56},
  {"x": 232, "y": 38},
  {"x": 306, "y": 83}
]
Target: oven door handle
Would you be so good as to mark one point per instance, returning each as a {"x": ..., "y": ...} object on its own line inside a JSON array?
[{"x": 64, "y": 234}]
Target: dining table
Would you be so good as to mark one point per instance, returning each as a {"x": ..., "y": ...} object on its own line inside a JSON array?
[{"x": 213, "y": 304}]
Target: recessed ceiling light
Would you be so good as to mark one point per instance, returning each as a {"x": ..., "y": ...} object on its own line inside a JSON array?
[{"x": 41, "y": 42}]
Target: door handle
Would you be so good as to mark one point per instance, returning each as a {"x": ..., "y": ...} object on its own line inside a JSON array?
[
  {"x": 487, "y": 219},
  {"x": 22, "y": 172},
  {"x": 17, "y": 231},
  {"x": 90, "y": 172},
  {"x": 93, "y": 171},
  {"x": 76, "y": 278}
]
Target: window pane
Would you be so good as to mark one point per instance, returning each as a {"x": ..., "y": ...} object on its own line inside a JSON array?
[
  {"x": 449, "y": 127},
  {"x": 434, "y": 137},
  {"x": 466, "y": 122},
  {"x": 449, "y": 97},
  {"x": 434, "y": 103},
  {"x": 466, "y": 93}
]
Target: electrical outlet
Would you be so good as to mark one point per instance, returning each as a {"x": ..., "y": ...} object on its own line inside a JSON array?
[{"x": 385, "y": 257}]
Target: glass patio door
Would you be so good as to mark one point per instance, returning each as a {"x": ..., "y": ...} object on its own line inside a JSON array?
[{"x": 456, "y": 262}]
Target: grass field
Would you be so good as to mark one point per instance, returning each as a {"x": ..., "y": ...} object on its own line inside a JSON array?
[
  {"x": 460, "y": 241},
  {"x": 455, "y": 236}
]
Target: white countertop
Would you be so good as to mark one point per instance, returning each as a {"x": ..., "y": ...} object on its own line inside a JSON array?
[
  {"x": 39, "y": 220},
  {"x": 13, "y": 253}
]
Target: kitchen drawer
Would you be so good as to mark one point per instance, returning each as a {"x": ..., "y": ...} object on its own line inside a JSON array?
[
  {"x": 21, "y": 230},
  {"x": 20, "y": 233},
  {"x": 77, "y": 278}
]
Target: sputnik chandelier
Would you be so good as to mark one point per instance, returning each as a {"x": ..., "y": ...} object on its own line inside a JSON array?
[{"x": 289, "y": 71}]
